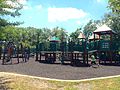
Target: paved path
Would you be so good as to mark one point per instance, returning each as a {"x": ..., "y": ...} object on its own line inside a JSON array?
[{"x": 58, "y": 71}]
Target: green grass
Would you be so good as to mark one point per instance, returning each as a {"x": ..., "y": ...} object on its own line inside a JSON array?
[{"x": 27, "y": 83}]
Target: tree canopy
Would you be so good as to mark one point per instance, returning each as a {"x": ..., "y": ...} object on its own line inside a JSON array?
[
  {"x": 114, "y": 5},
  {"x": 28, "y": 36},
  {"x": 9, "y": 9}
]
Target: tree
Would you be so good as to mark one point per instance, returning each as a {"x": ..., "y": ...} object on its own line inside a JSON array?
[
  {"x": 114, "y": 5},
  {"x": 113, "y": 21},
  {"x": 74, "y": 35},
  {"x": 9, "y": 8},
  {"x": 60, "y": 33},
  {"x": 90, "y": 27},
  {"x": 45, "y": 34}
]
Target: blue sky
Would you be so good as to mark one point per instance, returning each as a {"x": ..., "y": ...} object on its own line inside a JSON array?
[{"x": 68, "y": 14}]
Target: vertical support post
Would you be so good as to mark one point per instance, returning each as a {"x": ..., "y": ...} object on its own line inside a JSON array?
[
  {"x": 86, "y": 52},
  {"x": 40, "y": 56},
  {"x": 94, "y": 37},
  {"x": 0, "y": 52},
  {"x": 4, "y": 51},
  {"x": 18, "y": 54},
  {"x": 63, "y": 48},
  {"x": 111, "y": 47},
  {"x": 54, "y": 54},
  {"x": 99, "y": 49},
  {"x": 36, "y": 53},
  {"x": 84, "y": 56}
]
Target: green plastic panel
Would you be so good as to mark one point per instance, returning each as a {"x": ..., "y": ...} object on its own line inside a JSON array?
[
  {"x": 93, "y": 45},
  {"x": 104, "y": 45},
  {"x": 53, "y": 46}
]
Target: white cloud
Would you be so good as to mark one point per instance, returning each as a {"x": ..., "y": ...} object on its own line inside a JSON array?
[
  {"x": 64, "y": 14},
  {"x": 39, "y": 7}
]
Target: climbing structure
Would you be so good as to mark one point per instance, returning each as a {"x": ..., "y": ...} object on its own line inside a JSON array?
[
  {"x": 106, "y": 46},
  {"x": 101, "y": 44}
]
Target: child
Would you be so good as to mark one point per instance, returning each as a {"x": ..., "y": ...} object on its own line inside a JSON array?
[
  {"x": 61, "y": 58},
  {"x": 93, "y": 61}
]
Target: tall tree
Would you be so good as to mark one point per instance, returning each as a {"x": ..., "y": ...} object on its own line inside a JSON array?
[
  {"x": 9, "y": 8},
  {"x": 114, "y": 5},
  {"x": 114, "y": 17},
  {"x": 60, "y": 33},
  {"x": 90, "y": 27},
  {"x": 74, "y": 35}
]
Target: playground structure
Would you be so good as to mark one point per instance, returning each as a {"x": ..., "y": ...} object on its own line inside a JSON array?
[
  {"x": 105, "y": 51},
  {"x": 62, "y": 51},
  {"x": 76, "y": 53},
  {"x": 9, "y": 51}
]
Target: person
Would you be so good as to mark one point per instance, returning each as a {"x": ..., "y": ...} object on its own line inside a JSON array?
[
  {"x": 25, "y": 54},
  {"x": 93, "y": 61},
  {"x": 61, "y": 58},
  {"x": 10, "y": 50}
]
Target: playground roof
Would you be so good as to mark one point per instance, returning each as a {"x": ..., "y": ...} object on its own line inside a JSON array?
[
  {"x": 104, "y": 29},
  {"x": 81, "y": 36},
  {"x": 54, "y": 39}
]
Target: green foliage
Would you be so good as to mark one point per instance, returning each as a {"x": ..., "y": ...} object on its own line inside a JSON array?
[
  {"x": 31, "y": 36},
  {"x": 28, "y": 36},
  {"x": 113, "y": 21},
  {"x": 9, "y": 8},
  {"x": 60, "y": 33},
  {"x": 74, "y": 35},
  {"x": 114, "y": 5},
  {"x": 90, "y": 27}
]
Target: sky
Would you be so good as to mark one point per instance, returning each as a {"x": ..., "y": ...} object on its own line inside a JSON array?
[{"x": 67, "y": 14}]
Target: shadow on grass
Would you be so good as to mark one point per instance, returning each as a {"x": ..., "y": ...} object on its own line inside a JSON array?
[{"x": 4, "y": 83}]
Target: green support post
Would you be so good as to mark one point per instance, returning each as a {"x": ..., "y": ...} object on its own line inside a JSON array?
[{"x": 36, "y": 53}]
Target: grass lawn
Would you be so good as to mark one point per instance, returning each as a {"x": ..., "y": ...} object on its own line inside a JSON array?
[{"x": 15, "y": 82}]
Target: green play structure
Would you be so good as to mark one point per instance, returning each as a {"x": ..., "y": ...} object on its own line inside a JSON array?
[{"x": 106, "y": 50}]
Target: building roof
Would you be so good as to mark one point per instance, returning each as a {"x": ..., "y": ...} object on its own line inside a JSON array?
[
  {"x": 104, "y": 28},
  {"x": 81, "y": 36}
]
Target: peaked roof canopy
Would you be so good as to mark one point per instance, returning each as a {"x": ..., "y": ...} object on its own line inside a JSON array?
[
  {"x": 104, "y": 29},
  {"x": 81, "y": 36}
]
